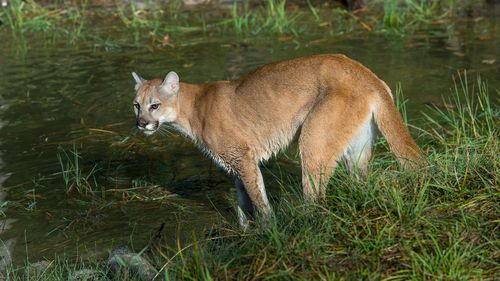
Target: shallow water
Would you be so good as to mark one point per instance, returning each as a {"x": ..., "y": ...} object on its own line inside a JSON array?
[{"x": 54, "y": 95}]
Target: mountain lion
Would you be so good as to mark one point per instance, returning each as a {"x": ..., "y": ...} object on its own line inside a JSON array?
[{"x": 333, "y": 103}]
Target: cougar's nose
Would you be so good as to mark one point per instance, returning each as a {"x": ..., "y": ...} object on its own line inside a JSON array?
[{"x": 141, "y": 123}]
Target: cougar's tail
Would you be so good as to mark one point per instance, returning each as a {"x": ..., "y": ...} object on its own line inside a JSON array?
[{"x": 390, "y": 123}]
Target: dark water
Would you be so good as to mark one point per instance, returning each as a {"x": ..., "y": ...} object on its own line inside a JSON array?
[{"x": 54, "y": 96}]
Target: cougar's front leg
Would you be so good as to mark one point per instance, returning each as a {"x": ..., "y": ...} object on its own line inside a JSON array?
[
  {"x": 250, "y": 187},
  {"x": 245, "y": 206}
]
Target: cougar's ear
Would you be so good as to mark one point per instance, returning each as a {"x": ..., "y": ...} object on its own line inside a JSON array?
[
  {"x": 170, "y": 85},
  {"x": 138, "y": 80}
]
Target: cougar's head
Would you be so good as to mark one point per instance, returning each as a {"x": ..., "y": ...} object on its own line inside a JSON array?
[{"x": 155, "y": 102}]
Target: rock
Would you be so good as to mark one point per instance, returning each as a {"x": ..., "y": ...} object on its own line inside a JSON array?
[
  {"x": 87, "y": 275},
  {"x": 195, "y": 2},
  {"x": 6, "y": 224},
  {"x": 38, "y": 268},
  {"x": 123, "y": 264},
  {"x": 122, "y": 250},
  {"x": 6, "y": 248}
]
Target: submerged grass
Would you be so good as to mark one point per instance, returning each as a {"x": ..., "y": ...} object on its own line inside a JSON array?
[
  {"x": 75, "y": 179},
  {"x": 436, "y": 223}
]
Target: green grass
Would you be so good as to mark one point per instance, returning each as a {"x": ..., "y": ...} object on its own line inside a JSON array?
[
  {"x": 409, "y": 15},
  {"x": 129, "y": 25},
  {"x": 23, "y": 17},
  {"x": 28, "y": 18},
  {"x": 3, "y": 208},
  {"x": 313, "y": 10},
  {"x": 277, "y": 18},
  {"x": 241, "y": 18},
  {"x": 436, "y": 223},
  {"x": 272, "y": 18},
  {"x": 60, "y": 269},
  {"x": 74, "y": 177}
]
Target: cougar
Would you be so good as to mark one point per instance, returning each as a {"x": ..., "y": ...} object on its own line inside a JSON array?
[{"x": 333, "y": 104}]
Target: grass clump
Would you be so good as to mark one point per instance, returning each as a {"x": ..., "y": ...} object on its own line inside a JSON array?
[
  {"x": 407, "y": 15},
  {"x": 59, "y": 269},
  {"x": 75, "y": 179},
  {"x": 133, "y": 17},
  {"x": 28, "y": 17},
  {"x": 271, "y": 18},
  {"x": 277, "y": 19}
]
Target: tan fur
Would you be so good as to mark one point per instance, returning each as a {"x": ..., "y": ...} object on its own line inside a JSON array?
[{"x": 334, "y": 102}]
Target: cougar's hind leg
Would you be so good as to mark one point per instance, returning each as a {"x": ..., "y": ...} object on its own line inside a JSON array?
[
  {"x": 359, "y": 151},
  {"x": 326, "y": 133}
]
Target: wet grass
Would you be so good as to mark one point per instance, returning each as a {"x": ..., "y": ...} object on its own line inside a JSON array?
[
  {"x": 139, "y": 26},
  {"x": 272, "y": 18},
  {"x": 60, "y": 269},
  {"x": 409, "y": 15},
  {"x": 436, "y": 223},
  {"x": 75, "y": 178},
  {"x": 23, "y": 17},
  {"x": 3, "y": 208}
]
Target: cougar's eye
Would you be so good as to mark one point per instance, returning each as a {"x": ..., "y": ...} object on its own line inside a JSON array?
[
  {"x": 136, "y": 105},
  {"x": 155, "y": 106}
]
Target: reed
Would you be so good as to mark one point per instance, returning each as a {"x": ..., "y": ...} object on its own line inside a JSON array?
[{"x": 73, "y": 174}]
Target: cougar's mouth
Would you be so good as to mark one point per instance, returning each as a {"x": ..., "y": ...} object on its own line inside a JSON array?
[
  {"x": 150, "y": 128},
  {"x": 148, "y": 132}
]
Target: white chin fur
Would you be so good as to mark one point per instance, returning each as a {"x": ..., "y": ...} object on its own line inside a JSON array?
[{"x": 149, "y": 132}]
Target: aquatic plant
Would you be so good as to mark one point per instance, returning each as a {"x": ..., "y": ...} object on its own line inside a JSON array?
[
  {"x": 74, "y": 177},
  {"x": 313, "y": 10},
  {"x": 26, "y": 17},
  {"x": 146, "y": 26},
  {"x": 277, "y": 19},
  {"x": 78, "y": 19},
  {"x": 392, "y": 18},
  {"x": 3, "y": 207},
  {"x": 404, "y": 16},
  {"x": 241, "y": 19},
  {"x": 272, "y": 17}
]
